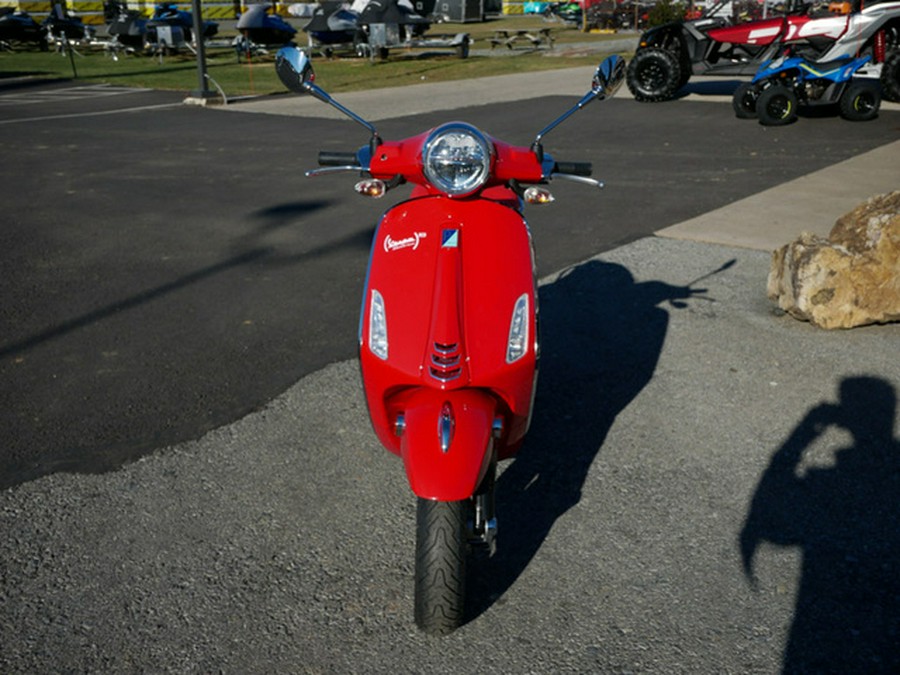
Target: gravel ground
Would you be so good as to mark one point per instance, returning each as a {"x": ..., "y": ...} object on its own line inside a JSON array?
[{"x": 284, "y": 542}]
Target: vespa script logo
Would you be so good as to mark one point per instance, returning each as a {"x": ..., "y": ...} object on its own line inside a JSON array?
[{"x": 391, "y": 244}]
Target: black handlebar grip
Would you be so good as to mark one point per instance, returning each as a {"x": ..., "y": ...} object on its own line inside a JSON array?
[
  {"x": 327, "y": 158},
  {"x": 574, "y": 168}
]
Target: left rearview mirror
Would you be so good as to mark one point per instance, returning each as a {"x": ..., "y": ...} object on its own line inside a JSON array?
[
  {"x": 609, "y": 77},
  {"x": 294, "y": 69}
]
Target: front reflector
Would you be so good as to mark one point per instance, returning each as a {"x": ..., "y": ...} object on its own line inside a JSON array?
[
  {"x": 517, "y": 345},
  {"x": 378, "y": 340}
]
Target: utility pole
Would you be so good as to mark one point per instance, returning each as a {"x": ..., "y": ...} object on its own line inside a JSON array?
[{"x": 202, "y": 92}]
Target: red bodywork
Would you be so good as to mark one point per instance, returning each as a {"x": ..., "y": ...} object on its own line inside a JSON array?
[
  {"x": 450, "y": 271},
  {"x": 788, "y": 28}
]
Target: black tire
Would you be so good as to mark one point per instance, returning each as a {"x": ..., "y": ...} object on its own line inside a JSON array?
[
  {"x": 860, "y": 102},
  {"x": 744, "y": 101},
  {"x": 686, "y": 71},
  {"x": 890, "y": 77},
  {"x": 440, "y": 565},
  {"x": 776, "y": 106},
  {"x": 653, "y": 75}
]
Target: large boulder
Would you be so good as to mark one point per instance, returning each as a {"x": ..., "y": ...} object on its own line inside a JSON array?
[{"x": 850, "y": 279}]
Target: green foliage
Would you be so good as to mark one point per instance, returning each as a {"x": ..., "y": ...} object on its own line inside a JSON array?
[{"x": 666, "y": 11}]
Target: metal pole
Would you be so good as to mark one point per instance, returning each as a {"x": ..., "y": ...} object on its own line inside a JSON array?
[{"x": 202, "y": 91}]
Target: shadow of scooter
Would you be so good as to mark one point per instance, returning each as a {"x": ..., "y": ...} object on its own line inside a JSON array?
[{"x": 602, "y": 335}]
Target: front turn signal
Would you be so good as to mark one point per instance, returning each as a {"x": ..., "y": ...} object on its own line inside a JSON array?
[
  {"x": 371, "y": 187},
  {"x": 537, "y": 195}
]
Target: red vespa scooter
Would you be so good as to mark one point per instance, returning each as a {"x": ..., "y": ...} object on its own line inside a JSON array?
[{"x": 448, "y": 331}]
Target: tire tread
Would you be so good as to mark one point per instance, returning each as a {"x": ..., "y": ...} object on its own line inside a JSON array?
[{"x": 440, "y": 565}]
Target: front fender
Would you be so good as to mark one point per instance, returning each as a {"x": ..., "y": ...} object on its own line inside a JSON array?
[
  {"x": 661, "y": 36},
  {"x": 447, "y": 441}
]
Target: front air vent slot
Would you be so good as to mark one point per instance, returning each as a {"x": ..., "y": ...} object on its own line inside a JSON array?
[{"x": 445, "y": 361}]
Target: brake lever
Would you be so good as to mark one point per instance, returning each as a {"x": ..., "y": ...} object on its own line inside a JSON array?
[
  {"x": 336, "y": 169},
  {"x": 578, "y": 179}
]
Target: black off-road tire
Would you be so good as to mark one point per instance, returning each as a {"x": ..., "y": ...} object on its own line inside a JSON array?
[
  {"x": 890, "y": 77},
  {"x": 686, "y": 70},
  {"x": 653, "y": 75},
  {"x": 744, "y": 101},
  {"x": 860, "y": 102},
  {"x": 776, "y": 106},
  {"x": 441, "y": 546}
]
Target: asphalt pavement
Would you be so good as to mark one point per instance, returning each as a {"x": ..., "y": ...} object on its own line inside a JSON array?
[
  {"x": 709, "y": 486},
  {"x": 161, "y": 261}
]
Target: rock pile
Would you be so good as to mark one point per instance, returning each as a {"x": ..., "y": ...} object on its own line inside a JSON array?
[{"x": 852, "y": 278}]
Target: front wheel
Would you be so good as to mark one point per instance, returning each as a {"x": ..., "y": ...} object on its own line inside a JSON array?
[
  {"x": 441, "y": 545},
  {"x": 860, "y": 102},
  {"x": 744, "y": 101},
  {"x": 776, "y": 106},
  {"x": 653, "y": 75}
]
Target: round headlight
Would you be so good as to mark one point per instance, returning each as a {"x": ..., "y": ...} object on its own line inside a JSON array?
[{"x": 457, "y": 159}]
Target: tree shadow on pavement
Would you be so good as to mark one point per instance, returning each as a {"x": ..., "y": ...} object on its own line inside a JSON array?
[
  {"x": 167, "y": 342},
  {"x": 602, "y": 335},
  {"x": 840, "y": 508}
]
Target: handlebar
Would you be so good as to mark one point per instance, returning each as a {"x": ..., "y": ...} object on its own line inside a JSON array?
[
  {"x": 574, "y": 168},
  {"x": 327, "y": 158},
  {"x": 332, "y": 158},
  {"x": 350, "y": 161}
]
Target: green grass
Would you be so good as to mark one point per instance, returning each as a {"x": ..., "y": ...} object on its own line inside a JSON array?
[{"x": 339, "y": 74}]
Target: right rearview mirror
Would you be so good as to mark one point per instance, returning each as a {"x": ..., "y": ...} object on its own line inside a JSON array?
[{"x": 607, "y": 80}]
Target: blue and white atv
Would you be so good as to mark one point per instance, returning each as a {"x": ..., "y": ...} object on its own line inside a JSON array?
[{"x": 782, "y": 85}]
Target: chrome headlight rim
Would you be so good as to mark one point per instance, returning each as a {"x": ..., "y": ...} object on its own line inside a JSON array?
[{"x": 481, "y": 165}]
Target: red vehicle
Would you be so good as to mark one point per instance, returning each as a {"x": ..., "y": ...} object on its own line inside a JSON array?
[
  {"x": 668, "y": 55},
  {"x": 448, "y": 331}
]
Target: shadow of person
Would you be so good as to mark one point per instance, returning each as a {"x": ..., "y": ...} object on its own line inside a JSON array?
[
  {"x": 601, "y": 337},
  {"x": 845, "y": 519}
]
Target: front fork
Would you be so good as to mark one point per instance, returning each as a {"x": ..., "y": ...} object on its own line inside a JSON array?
[{"x": 481, "y": 525}]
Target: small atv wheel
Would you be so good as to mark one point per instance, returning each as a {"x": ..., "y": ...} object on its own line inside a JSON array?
[
  {"x": 860, "y": 102},
  {"x": 744, "y": 101},
  {"x": 653, "y": 75},
  {"x": 776, "y": 106},
  {"x": 890, "y": 76}
]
